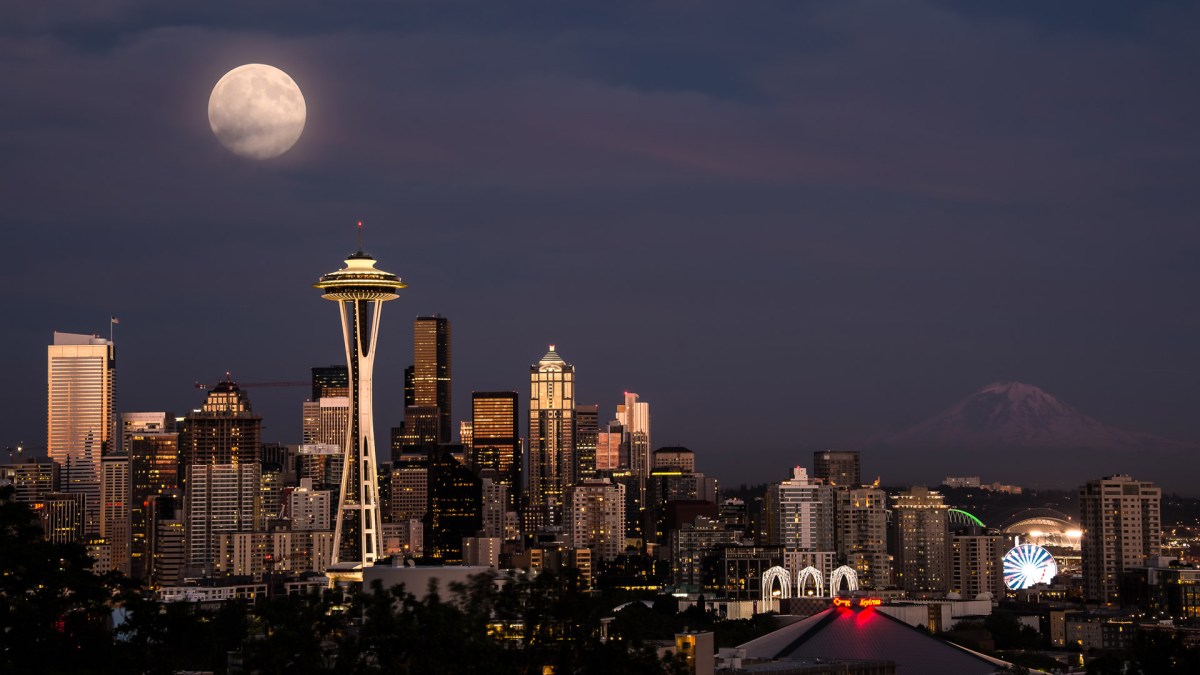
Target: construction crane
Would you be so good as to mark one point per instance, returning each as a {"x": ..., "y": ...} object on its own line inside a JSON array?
[{"x": 242, "y": 385}]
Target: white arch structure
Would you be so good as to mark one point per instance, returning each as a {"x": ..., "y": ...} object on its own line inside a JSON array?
[
  {"x": 835, "y": 579},
  {"x": 805, "y": 574},
  {"x": 768, "y": 580}
]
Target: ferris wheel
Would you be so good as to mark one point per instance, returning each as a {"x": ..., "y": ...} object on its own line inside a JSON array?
[{"x": 1026, "y": 565}]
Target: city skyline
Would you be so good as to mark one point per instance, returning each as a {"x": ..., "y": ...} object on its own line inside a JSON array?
[{"x": 908, "y": 216}]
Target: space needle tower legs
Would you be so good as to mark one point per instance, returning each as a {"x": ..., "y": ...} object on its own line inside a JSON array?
[{"x": 360, "y": 291}]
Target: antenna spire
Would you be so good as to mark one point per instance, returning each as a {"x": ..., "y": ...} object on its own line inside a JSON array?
[{"x": 360, "y": 245}]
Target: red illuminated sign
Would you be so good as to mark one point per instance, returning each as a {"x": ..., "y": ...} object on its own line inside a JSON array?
[{"x": 859, "y": 602}]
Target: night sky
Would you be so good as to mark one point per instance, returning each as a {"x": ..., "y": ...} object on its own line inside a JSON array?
[{"x": 786, "y": 225}]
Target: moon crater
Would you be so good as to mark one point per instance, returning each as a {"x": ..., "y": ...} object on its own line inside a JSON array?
[{"x": 257, "y": 111}]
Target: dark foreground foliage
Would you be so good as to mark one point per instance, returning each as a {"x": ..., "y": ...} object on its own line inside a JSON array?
[{"x": 56, "y": 617}]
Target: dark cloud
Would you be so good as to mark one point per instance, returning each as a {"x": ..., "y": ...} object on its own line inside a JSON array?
[{"x": 785, "y": 225}]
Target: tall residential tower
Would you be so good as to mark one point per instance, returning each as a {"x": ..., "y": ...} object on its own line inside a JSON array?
[
  {"x": 360, "y": 291},
  {"x": 1121, "y": 520}
]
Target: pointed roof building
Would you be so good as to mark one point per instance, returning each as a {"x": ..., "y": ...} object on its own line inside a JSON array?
[{"x": 868, "y": 634}]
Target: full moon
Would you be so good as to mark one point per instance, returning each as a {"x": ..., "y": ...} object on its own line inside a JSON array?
[{"x": 257, "y": 111}]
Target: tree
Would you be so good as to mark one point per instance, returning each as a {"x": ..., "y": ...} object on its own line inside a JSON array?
[{"x": 54, "y": 613}]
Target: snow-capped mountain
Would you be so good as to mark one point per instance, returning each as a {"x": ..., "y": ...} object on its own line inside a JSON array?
[{"x": 1012, "y": 415}]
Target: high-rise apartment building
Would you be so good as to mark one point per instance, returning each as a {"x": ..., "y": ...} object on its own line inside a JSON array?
[
  {"x": 495, "y": 509},
  {"x": 431, "y": 370},
  {"x": 837, "y": 467},
  {"x": 800, "y": 513},
  {"x": 862, "y": 537},
  {"x": 220, "y": 498},
  {"x": 495, "y": 446},
  {"x": 551, "y": 444},
  {"x": 309, "y": 509},
  {"x": 597, "y": 518},
  {"x": 587, "y": 432},
  {"x": 921, "y": 536},
  {"x": 1122, "y": 528},
  {"x": 977, "y": 564},
  {"x": 80, "y": 370}
]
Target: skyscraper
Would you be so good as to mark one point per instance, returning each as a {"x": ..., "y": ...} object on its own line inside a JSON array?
[
  {"x": 977, "y": 563},
  {"x": 587, "y": 432},
  {"x": 153, "y": 476},
  {"x": 360, "y": 291},
  {"x": 921, "y": 532},
  {"x": 837, "y": 467},
  {"x": 634, "y": 416},
  {"x": 1122, "y": 528},
  {"x": 611, "y": 446},
  {"x": 800, "y": 514},
  {"x": 115, "y": 513},
  {"x": 862, "y": 538},
  {"x": 144, "y": 423},
  {"x": 597, "y": 518},
  {"x": 220, "y": 498},
  {"x": 455, "y": 507},
  {"x": 551, "y": 445},
  {"x": 330, "y": 381},
  {"x": 431, "y": 370},
  {"x": 495, "y": 447},
  {"x": 224, "y": 430},
  {"x": 80, "y": 371}
]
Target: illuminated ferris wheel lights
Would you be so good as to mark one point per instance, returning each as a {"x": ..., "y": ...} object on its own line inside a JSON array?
[{"x": 1026, "y": 565}]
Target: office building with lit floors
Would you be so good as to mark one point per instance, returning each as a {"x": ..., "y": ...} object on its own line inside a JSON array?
[
  {"x": 30, "y": 477},
  {"x": 551, "y": 445},
  {"x": 330, "y": 381},
  {"x": 1122, "y": 528},
  {"x": 455, "y": 508},
  {"x": 597, "y": 519},
  {"x": 495, "y": 450},
  {"x": 587, "y": 432},
  {"x": 224, "y": 430},
  {"x": 634, "y": 416},
  {"x": 431, "y": 371},
  {"x": 80, "y": 371},
  {"x": 921, "y": 542}
]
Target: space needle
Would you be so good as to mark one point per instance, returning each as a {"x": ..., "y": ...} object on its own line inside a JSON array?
[{"x": 360, "y": 291}]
